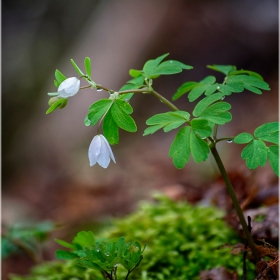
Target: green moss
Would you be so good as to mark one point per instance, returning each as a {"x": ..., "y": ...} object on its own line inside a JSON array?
[{"x": 181, "y": 239}]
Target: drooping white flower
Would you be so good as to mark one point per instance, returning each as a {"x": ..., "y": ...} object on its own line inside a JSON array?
[
  {"x": 69, "y": 87},
  {"x": 100, "y": 152}
]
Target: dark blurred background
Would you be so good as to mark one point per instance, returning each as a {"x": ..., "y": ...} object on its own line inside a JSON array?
[{"x": 45, "y": 169}]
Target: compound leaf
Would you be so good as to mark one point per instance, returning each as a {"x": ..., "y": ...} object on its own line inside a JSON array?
[
  {"x": 250, "y": 83},
  {"x": 151, "y": 65}
]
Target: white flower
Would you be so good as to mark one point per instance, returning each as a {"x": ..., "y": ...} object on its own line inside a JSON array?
[
  {"x": 100, "y": 151},
  {"x": 69, "y": 87}
]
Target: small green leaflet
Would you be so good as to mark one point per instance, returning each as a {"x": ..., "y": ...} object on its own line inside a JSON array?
[
  {"x": 256, "y": 152},
  {"x": 225, "y": 69},
  {"x": 185, "y": 143},
  {"x": 64, "y": 255},
  {"x": 167, "y": 121},
  {"x": 201, "y": 127},
  {"x": 88, "y": 66},
  {"x": 110, "y": 129},
  {"x": 268, "y": 132},
  {"x": 120, "y": 111},
  {"x": 59, "y": 78},
  {"x": 273, "y": 158},
  {"x": 84, "y": 239},
  {"x": 79, "y": 71},
  {"x": 180, "y": 148},
  {"x": 213, "y": 110},
  {"x": 97, "y": 110},
  {"x": 154, "y": 68}
]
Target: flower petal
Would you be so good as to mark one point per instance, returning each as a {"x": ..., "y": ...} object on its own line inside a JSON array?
[
  {"x": 94, "y": 150},
  {"x": 109, "y": 148}
]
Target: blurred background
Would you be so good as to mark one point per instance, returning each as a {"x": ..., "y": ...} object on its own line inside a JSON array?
[{"x": 45, "y": 169}]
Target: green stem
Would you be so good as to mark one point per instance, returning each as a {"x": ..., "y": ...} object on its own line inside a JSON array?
[
  {"x": 165, "y": 101},
  {"x": 235, "y": 203}
]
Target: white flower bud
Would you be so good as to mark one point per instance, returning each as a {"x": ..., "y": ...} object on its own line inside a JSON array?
[
  {"x": 100, "y": 152},
  {"x": 69, "y": 87}
]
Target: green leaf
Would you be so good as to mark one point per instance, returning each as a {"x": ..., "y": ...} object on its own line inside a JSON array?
[
  {"x": 199, "y": 148},
  {"x": 151, "y": 65},
  {"x": 229, "y": 89},
  {"x": 110, "y": 129},
  {"x": 184, "y": 88},
  {"x": 268, "y": 132},
  {"x": 205, "y": 102},
  {"x": 167, "y": 121},
  {"x": 88, "y": 66},
  {"x": 255, "y": 154},
  {"x": 135, "y": 73},
  {"x": 273, "y": 158},
  {"x": 65, "y": 244},
  {"x": 171, "y": 67},
  {"x": 243, "y": 138},
  {"x": 64, "y": 255},
  {"x": 120, "y": 115},
  {"x": 250, "y": 73},
  {"x": 77, "y": 68},
  {"x": 56, "y": 83},
  {"x": 250, "y": 83},
  {"x": 84, "y": 239},
  {"x": 124, "y": 105},
  {"x": 225, "y": 69},
  {"x": 180, "y": 148},
  {"x": 205, "y": 85},
  {"x": 59, "y": 76},
  {"x": 201, "y": 127},
  {"x": 134, "y": 83},
  {"x": 97, "y": 110},
  {"x": 217, "y": 113}
]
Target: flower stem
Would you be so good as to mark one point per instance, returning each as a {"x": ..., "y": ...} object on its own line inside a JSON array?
[{"x": 235, "y": 203}]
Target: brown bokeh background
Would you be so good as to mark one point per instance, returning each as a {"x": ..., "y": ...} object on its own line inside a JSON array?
[{"x": 45, "y": 169}]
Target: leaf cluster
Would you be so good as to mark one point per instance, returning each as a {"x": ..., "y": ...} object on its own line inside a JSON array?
[
  {"x": 256, "y": 151},
  {"x": 190, "y": 139},
  {"x": 153, "y": 69},
  {"x": 103, "y": 255},
  {"x": 235, "y": 81},
  {"x": 115, "y": 114}
]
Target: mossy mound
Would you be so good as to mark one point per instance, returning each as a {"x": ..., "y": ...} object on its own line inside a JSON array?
[{"x": 181, "y": 239}]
